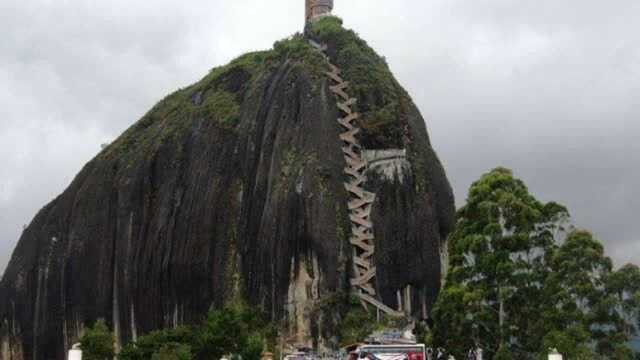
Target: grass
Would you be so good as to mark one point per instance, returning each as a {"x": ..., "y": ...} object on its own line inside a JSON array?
[
  {"x": 223, "y": 107},
  {"x": 297, "y": 49}
]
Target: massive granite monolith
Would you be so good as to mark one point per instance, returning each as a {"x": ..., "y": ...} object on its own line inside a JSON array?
[{"x": 233, "y": 187}]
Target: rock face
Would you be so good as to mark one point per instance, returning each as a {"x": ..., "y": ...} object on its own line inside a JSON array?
[{"x": 232, "y": 187}]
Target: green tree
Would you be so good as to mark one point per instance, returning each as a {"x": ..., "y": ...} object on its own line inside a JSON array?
[
  {"x": 97, "y": 342},
  {"x": 235, "y": 330},
  {"x": 498, "y": 263},
  {"x": 623, "y": 352},
  {"x": 578, "y": 289},
  {"x": 572, "y": 342},
  {"x": 147, "y": 345},
  {"x": 625, "y": 284},
  {"x": 503, "y": 354},
  {"x": 253, "y": 347},
  {"x": 514, "y": 289},
  {"x": 453, "y": 322},
  {"x": 173, "y": 351}
]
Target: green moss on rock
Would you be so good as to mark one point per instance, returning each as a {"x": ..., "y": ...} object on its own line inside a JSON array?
[
  {"x": 217, "y": 97},
  {"x": 297, "y": 49},
  {"x": 353, "y": 323},
  {"x": 224, "y": 108},
  {"x": 381, "y": 100}
]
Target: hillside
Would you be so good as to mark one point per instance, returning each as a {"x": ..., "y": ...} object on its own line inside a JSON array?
[{"x": 233, "y": 188}]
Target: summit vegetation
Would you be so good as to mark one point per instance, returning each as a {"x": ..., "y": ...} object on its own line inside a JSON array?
[
  {"x": 382, "y": 101},
  {"x": 221, "y": 94},
  {"x": 218, "y": 97}
]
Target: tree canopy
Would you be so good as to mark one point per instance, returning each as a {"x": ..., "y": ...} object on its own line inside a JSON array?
[
  {"x": 236, "y": 331},
  {"x": 521, "y": 281},
  {"x": 97, "y": 342}
]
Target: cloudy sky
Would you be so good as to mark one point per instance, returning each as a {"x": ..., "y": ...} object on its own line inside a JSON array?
[{"x": 549, "y": 88}]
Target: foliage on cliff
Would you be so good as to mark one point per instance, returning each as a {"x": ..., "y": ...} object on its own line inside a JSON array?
[
  {"x": 218, "y": 97},
  {"x": 382, "y": 102},
  {"x": 352, "y": 323}
]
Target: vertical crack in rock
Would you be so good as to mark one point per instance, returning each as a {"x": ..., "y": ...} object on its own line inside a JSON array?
[
  {"x": 132, "y": 317},
  {"x": 115, "y": 264},
  {"x": 302, "y": 296},
  {"x": 134, "y": 331}
]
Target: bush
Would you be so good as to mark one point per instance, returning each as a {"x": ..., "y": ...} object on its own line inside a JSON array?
[
  {"x": 154, "y": 342},
  {"x": 173, "y": 351},
  {"x": 571, "y": 343},
  {"x": 235, "y": 330},
  {"x": 503, "y": 353},
  {"x": 344, "y": 321},
  {"x": 97, "y": 342}
]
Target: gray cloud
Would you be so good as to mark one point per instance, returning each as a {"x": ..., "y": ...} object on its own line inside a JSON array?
[{"x": 547, "y": 88}]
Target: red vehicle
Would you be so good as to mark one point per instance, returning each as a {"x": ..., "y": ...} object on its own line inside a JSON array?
[{"x": 390, "y": 352}]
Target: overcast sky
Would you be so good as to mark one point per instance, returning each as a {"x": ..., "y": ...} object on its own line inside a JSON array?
[{"x": 549, "y": 88}]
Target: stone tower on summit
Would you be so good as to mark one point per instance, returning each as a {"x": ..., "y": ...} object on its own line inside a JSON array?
[{"x": 317, "y": 8}]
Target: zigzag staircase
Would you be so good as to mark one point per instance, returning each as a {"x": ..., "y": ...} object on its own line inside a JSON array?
[{"x": 361, "y": 201}]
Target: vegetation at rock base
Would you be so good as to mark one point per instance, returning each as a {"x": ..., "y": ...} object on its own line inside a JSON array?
[
  {"x": 235, "y": 330},
  {"x": 358, "y": 323},
  {"x": 521, "y": 282},
  {"x": 173, "y": 351},
  {"x": 160, "y": 343},
  {"x": 381, "y": 100},
  {"x": 346, "y": 322},
  {"x": 97, "y": 342},
  {"x": 503, "y": 354}
]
